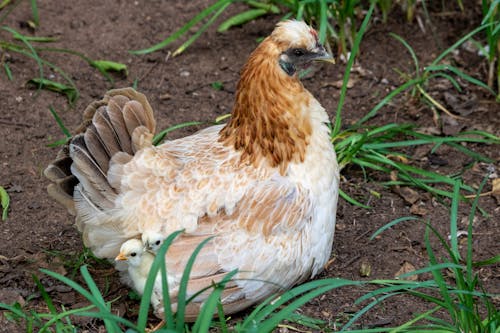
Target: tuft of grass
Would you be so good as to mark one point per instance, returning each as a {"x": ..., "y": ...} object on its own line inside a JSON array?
[
  {"x": 376, "y": 147},
  {"x": 455, "y": 286}
]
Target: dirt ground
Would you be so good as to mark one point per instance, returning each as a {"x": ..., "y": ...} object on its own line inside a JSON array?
[{"x": 39, "y": 233}]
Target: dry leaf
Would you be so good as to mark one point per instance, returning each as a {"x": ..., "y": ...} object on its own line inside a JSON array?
[
  {"x": 410, "y": 196},
  {"x": 338, "y": 84},
  {"x": 495, "y": 187},
  {"x": 418, "y": 209},
  {"x": 406, "y": 268},
  {"x": 365, "y": 269}
]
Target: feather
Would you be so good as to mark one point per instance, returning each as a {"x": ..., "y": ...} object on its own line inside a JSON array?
[{"x": 116, "y": 117}]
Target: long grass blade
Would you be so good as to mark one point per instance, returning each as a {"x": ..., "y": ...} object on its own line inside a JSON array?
[
  {"x": 150, "y": 281},
  {"x": 200, "y": 16},
  {"x": 59, "y": 122},
  {"x": 208, "y": 309},
  {"x": 160, "y": 136},
  {"x": 198, "y": 33},
  {"x": 181, "y": 298},
  {"x": 350, "y": 62}
]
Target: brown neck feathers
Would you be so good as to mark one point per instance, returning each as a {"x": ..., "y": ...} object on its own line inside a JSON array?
[{"x": 269, "y": 120}]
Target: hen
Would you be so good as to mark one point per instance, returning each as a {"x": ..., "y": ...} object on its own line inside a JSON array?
[{"x": 265, "y": 184}]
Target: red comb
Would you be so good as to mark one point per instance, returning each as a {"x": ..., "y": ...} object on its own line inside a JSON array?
[{"x": 314, "y": 33}]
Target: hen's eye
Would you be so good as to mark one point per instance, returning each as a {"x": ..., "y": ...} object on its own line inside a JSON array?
[
  {"x": 298, "y": 52},
  {"x": 133, "y": 254}
]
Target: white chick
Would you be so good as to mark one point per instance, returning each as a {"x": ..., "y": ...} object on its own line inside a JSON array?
[
  {"x": 139, "y": 262},
  {"x": 152, "y": 241}
]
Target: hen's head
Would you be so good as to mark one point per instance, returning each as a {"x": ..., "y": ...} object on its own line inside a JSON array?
[
  {"x": 297, "y": 44},
  {"x": 272, "y": 115}
]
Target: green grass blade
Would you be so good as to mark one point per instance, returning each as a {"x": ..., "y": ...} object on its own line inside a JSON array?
[
  {"x": 38, "y": 39},
  {"x": 48, "y": 301},
  {"x": 33, "y": 53},
  {"x": 415, "y": 319},
  {"x": 70, "y": 92},
  {"x": 158, "y": 263},
  {"x": 105, "y": 67},
  {"x": 351, "y": 200},
  {"x": 391, "y": 224},
  {"x": 5, "y": 203},
  {"x": 387, "y": 99},
  {"x": 364, "y": 310},
  {"x": 8, "y": 72},
  {"x": 410, "y": 50},
  {"x": 34, "y": 12},
  {"x": 202, "y": 323},
  {"x": 198, "y": 33},
  {"x": 322, "y": 21},
  {"x": 204, "y": 13},
  {"x": 181, "y": 298},
  {"x": 459, "y": 73},
  {"x": 274, "y": 302},
  {"x": 267, "y": 6},
  {"x": 160, "y": 136},
  {"x": 241, "y": 18},
  {"x": 59, "y": 122},
  {"x": 111, "y": 326},
  {"x": 272, "y": 322},
  {"x": 350, "y": 62},
  {"x": 456, "y": 45},
  {"x": 455, "y": 200}
]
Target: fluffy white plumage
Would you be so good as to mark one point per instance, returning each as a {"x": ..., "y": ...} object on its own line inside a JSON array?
[{"x": 264, "y": 186}]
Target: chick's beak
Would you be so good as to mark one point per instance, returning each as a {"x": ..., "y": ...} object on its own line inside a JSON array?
[
  {"x": 120, "y": 257},
  {"x": 320, "y": 54}
]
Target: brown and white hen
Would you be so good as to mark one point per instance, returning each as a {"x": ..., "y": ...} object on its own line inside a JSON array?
[{"x": 265, "y": 184}]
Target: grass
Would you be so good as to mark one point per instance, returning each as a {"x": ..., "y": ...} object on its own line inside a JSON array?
[
  {"x": 454, "y": 289},
  {"x": 469, "y": 308},
  {"x": 335, "y": 19}
]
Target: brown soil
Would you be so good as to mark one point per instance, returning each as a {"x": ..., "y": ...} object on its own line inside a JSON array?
[{"x": 39, "y": 233}]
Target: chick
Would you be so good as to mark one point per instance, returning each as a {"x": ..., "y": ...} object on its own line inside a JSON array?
[
  {"x": 139, "y": 262},
  {"x": 152, "y": 241}
]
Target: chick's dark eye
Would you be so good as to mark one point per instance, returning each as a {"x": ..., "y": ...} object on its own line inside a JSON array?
[
  {"x": 157, "y": 242},
  {"x": 133, "y": 254}
]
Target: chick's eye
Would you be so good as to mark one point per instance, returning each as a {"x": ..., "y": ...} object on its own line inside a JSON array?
[
  {"x": 298, "y": 52},
  {"x": 157, "y": 242},
  {"x": 133, "y": 254}
]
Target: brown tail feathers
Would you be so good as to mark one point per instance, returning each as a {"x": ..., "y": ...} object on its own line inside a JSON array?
[{"x": 121, "y": 122}]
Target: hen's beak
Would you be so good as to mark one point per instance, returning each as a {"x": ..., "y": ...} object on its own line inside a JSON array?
[
  {"x": 320, "y": 54},
  {"x": 120, "y": 257}
]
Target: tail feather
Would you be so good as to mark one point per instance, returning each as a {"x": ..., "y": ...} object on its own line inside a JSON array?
[
  {"x": 112, "y": 127},
  {"x": 118, "y": 123},
  {"x": 106, "y": 132},
  {"x": 94, "y": 145},
  {"x": 91, "y": 175}
]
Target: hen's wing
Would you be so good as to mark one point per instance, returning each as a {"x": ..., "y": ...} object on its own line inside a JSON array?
[{"x": 259, "y": 238}]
